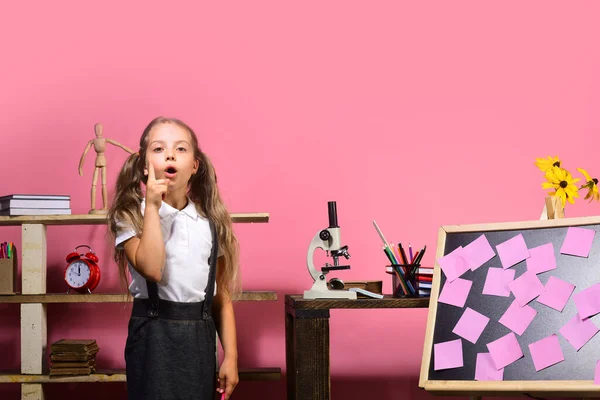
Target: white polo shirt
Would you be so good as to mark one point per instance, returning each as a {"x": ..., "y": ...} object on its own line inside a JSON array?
[{"x": 188, "y": 243}]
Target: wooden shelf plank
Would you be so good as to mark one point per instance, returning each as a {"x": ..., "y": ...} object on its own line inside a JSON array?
[
  {"x": 94, "y": 219},
  {"x": 245, "y": 374},
  {"x": 260, "y": 374},
  {"x": 298, "y": 302},
  {"x": 110, "y": 297}
]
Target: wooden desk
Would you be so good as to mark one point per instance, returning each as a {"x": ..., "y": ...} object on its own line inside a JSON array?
[{"x": 307, "y": 340}]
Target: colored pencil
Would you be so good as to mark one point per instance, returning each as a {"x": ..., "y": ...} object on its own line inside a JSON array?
[
  {"x": 413, "y": 259},
  {"x": 380, "y": 234},
  {"x": 390, "y": 255},
  {"x": 403, "y": 283},
  {"x": 396, "y": 253},
  {"x": 410, "y": 286},
  {"x": 420, "y": 257}
]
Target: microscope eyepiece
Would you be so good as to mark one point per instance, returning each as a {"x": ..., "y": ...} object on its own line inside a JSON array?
[{"x": 332, "y": 208}]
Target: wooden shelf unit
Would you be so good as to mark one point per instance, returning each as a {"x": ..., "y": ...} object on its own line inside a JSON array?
[
  {"x": 99, "y": 219},
  {"x": 108, "y": 298},
  {"x": 33, "y": 302},
  {"x": 245, "y": 374}
]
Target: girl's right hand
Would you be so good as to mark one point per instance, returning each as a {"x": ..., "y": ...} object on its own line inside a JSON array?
[{"x": 156, "y": 189}]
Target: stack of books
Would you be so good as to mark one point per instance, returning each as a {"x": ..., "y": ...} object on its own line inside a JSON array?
[
  {"x": 73, "y": 357},
  {"x": 425, "y": 278},
  {"x": 35, "y": 204}
]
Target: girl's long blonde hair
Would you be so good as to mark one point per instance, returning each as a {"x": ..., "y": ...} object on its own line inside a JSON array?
[{"x": 203, "y": 191}]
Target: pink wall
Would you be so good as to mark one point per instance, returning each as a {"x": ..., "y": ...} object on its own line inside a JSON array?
[{"x": 416, "y": 114}]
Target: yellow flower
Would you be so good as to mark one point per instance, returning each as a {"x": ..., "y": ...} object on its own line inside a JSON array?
[
  {"x": 563, "y": 184},
  {"x": 544, "y": 164},
  {"x": 591, "y": 184}
]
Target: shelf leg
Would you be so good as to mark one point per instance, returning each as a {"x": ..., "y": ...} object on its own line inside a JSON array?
[
  {"x": 34, "y": 338},
  {"x": 34, "y": 259},
  {"x": 32, "y": 391}
]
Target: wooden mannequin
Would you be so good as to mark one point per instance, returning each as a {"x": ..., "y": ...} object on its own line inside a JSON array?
[{"x": 99, "y": 144}]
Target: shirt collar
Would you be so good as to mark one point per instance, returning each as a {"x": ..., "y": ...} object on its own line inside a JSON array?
[{"x": 166, "y": 210}]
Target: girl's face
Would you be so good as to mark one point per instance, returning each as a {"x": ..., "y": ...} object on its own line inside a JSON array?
[{"x": 171, "y": 153}]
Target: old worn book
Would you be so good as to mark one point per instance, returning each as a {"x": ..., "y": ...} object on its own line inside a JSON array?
[
  {"x": 73, "y": 350},
  {"x": 71, "y": 356},
  {"x": 73, "y": 345},
  {"x": 73, "y": 364},
  {"x": 72, "y": 371}
]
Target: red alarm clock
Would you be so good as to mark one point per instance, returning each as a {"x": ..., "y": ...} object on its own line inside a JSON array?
[{"x": 82, "y": 273}]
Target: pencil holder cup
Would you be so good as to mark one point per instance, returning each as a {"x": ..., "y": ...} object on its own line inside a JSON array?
[
  {"x": 8, "y": 275},
  {"x": 404, "y": 280}
]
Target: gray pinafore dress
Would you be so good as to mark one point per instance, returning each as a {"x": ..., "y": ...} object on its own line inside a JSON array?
[{"x": 171, "y": 346}]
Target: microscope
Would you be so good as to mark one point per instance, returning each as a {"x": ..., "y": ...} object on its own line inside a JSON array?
[{"x": 329, "y": 240}]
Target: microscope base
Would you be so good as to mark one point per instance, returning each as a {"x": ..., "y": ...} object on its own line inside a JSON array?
[
  {"x": 319, "y": 290},
  {"x": 329, "y": 294}
]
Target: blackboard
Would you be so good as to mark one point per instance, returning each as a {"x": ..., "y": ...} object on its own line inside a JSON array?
[{"x": 520, "y": 376}]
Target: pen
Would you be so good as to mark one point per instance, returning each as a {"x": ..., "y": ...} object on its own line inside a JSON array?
[
  {"x": 410, "y": 254},
  {"x": 10, "y": 250}
]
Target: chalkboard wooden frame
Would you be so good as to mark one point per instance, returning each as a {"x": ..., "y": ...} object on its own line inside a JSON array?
[{"x": 575, "y": 388}]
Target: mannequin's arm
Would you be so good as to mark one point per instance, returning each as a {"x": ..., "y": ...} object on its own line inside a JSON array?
[
  {"x": 87, "y": 148},
  {"x": 115, "y": 143}
]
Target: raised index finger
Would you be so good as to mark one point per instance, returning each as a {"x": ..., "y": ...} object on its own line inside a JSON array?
[{"x": 151, "y": 175}]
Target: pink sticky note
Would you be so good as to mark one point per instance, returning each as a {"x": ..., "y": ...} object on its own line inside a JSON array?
[
  {"x": 526, "y": 287},
  {"x": 517, "y": 318},
  {"x": 470, "y": 325},
  {"x": 454, "y": 264},
  {"x": 578, "y": 242},
  {"x": 578, "y": 332},
  {"x": 556, "y": 293},
  {"x": 597, "y": 374},
  {"x": 542, "y": 259},
  {"x": 478, "y": 252},
  {"x": 587, "y": 301},
  {"x": 497, "y": 280},
  {"x": 455, "y": 293},
  {"x": 485, "y": 369},
  {"x": 448, "y": 355},
  {"x": 505, "y": 351},
  {"x": 512, "y": 251},
  {"x": 546, "y": 352}
]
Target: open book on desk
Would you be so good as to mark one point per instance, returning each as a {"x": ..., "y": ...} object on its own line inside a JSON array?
[{"x": 366, "y": 293}]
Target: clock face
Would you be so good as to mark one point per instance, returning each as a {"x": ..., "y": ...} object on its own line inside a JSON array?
[{"x": 78, "y": 274}]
